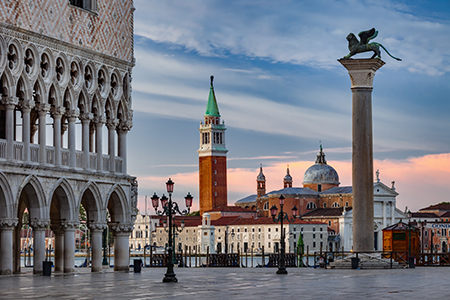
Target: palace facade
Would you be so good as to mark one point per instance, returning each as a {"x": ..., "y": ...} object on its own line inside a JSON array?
[{"x": 65, "y": 112}]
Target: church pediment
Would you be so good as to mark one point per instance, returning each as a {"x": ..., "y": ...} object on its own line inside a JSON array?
[{"x": 380, "y": 189}]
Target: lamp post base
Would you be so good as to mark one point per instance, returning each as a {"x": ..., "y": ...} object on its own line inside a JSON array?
[
  {"x": 170, "y": 278},
  {"x": 282, "y": 270}
]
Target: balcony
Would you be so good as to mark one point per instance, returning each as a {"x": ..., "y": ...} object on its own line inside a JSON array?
[{"x": 50, "y": 157}]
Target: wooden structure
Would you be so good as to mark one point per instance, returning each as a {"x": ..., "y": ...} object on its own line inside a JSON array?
[{"x": 401, "y": 239}]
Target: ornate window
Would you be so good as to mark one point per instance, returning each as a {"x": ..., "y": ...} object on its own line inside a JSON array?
[
  {"x": 335, "y": 204},
  {"x": 266, "y": 206}
]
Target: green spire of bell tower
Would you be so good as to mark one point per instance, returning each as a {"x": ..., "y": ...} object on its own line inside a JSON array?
[{"x": 211, "y": 108}]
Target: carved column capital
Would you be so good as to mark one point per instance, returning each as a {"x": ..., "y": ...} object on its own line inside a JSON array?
[
  {"x": 99, "y": 120},
  {"x": 362, "y": 71},
  {"x": 72, "y": 114},
  {"x": 43, "y": 109},
  {"x": 96, "y": 226},
  {"x": 69, "y": 225},
  {"x": 112, "y": 123},
  {"x": 57, "y": 112},
  {"x": 39, "y": 224},
  {"x": 8, "y": 223},
  {"x": 27, "y": 105},
  {"x": 10, "y": 101},
  {"x": 86, "y": 117},
  {"x": 125, "y": 126},
  {"x": 121, "y": 227},
  {"x": 57, "y": 228}
]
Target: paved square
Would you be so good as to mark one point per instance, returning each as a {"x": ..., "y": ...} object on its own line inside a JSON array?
[{"x": 233, "y": 283}]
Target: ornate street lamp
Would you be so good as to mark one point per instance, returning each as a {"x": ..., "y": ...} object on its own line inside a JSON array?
[
  {"x": 282, "y": 216},
  {"x": 169, "y": 209}
]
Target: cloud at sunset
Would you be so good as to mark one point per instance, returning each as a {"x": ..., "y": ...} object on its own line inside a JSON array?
[{"x": 420, "y": 181}]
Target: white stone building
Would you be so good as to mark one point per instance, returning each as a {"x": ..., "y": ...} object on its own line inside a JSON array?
[{"x": 65, "y": 69}]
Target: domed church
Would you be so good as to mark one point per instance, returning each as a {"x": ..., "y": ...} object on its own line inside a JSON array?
[
  {"x": 322, "y": 199},
  {"x": 320, "y": 189}
]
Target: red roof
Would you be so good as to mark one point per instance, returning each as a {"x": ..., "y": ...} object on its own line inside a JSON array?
[
  {"x": 440, "y": 206},
  {"x": 231, "y": 209}
]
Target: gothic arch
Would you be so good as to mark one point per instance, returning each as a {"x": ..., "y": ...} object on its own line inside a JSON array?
[
  {"x": 115, "y": 85},
  {"x": 97, "y": 107},
  {"x": 2, "y": 54},
  {"x": 91, "y": 199},
  {"x": 31, "y": 193},
  {"x": 54, "y": 95},
  {"x": 83, "y": 102},
  {"x": 6, "y": 198},
  {"x": 110, "y": 109},
  {"x": 8, "y": 87},
  {"x": 39, "y": 91},
  {"x": 117, "y": 205},
  {"x": 65, "y": 200}
]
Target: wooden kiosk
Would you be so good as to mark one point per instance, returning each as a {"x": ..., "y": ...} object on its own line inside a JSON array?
[{"x": 397, "y": 239}]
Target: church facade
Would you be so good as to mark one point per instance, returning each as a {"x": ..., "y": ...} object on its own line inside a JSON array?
[{"x": 65, "y": 74}]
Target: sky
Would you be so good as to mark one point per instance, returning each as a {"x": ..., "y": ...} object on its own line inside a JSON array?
[{"x": 282, "y": 92}]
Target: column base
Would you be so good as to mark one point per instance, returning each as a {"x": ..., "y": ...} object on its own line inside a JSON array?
[
  {"x": 69, "y": 270},
  {"x": 122, "y": 268},
  {"x": 96, "y": 269},
  {"x": 6, "y": 272}
]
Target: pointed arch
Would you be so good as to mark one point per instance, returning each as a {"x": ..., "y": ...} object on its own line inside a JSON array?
[
  {"x": 122, "y": 111},
  {"x": 23, "y": 88},
  {"x": 7, "y": 86},
  {"x": 54, "y": 95},
  {"x": 110, "y": 109},
  {"x": 6, "y": 198},
  {"x": 32, "y": 194},
  {"x": 97, "y": 107},
  {"x": 116, "y": 204},
  {"x": 63, "y": 194},
  {"x": 39, "y": 91},
  {"x": 91, "y": 199},
  {"x": 83, "y": 102}
]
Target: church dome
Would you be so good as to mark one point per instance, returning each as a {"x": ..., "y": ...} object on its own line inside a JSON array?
[{"x": 320, "y": 172}]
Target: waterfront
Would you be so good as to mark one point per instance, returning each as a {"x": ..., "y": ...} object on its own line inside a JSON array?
[{"x": 239, "y": 283}]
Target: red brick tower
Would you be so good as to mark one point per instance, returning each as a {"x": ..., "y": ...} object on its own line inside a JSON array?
[{"x": 212, "y": 158}]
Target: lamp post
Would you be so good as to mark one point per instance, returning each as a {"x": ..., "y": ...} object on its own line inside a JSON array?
[
  {"x": 175, "y": 231},
  {"x": 410, "y": 261},
  {"x": 280, "y": 218},
  {"x": 169, "y": 209}
]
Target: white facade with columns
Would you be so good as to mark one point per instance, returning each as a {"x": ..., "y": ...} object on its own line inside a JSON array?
[{"x": 54, "y": 84}]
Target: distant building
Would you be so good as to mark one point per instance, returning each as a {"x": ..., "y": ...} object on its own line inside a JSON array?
[{"x": 322, "y": 199}]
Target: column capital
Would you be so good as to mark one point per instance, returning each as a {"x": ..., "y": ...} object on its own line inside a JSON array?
[
  {"x": 112, "y": 123},
  {"x": 99, "y": 120},
  {"x": 96, "y": 226},
  {"x": 57, "y": 228},
  {"x": 39, "y": 224},
  {"x": 125, "y": 125},
  {"x": 362, "y": 71},
  {"x": 121, "y": 227},
  {"x": 72, "y": 114},
  {"x": 69, "y": 225},
  {"x": 57, "y": 112},
  {"x": 43, "y": 108},
  {"x": 27, "y": 105},
  {"x": 10, "y": 101},
  {"x": 86, "y": 116},
  {"x": 8, "y": 223}
]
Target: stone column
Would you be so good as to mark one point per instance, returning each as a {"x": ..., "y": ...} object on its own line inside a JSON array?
[
  {"x": 26, "y": 107},
  {"x": 39, "y": 227},
  {"x": 10, "y": 103},
  {"x": 17, "y": 246},
  {"x": 42, "y": 111},
  {"x": 99, "y": 121},
  {"x": 59, "y": 247},
  {"x": 112, "y": 124},
  {"x": 123, "y": 129},
  {"x": 85, "y": 121},
  {"x": 96, "y": 238},
  {"x": 6, "y": 242},
  {"x": 69, "y": 246},
  {"x": 121, "y": 244},
  {"x": 56, "y": 114},
  {"x": 72, "y": 118},
  {"x": 362, "y": 72},
  {"x": 91, "y": 137}
]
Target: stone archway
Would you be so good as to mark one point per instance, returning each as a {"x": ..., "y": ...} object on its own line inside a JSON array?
[
  {"x": 31, "y": 201},
  {"x": 91, "y": 200},
  {"x": 7, "y": 224},
  {"x": 63, "y": 224},
  {"x": 121, "y": 226}
]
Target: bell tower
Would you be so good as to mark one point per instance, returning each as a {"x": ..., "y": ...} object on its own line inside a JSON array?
[{"x": 212, "y": 157}]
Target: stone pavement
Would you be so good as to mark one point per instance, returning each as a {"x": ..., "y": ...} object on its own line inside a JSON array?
[{"x": 233, "y": 283}]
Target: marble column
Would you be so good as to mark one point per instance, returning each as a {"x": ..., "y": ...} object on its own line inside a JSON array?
[
  {"x": 96, "y": 239},
  {"x": 85, "y": 121},
  {"x": 6, "y": 250},
  {"x": 362, "y": 72},
  {"x": 26, "y": 107},
  {"x": 39, "y": 227},
  {"x": 56, "y": 114},
  {"x": 123, "y": 129},
  {"x": 69, "y": 246},
  {"x": 71, "y": 119},
  {"x": 59, "y": 247},
  {"x": 42, "y": 111},
  {"x": 99, "y": 121},
  {"x": 9, "y": 103},
  {"x": 121, "y": 246},
  {"x": 17, "y": 246},
  {"x": 112, "y": 125}
]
